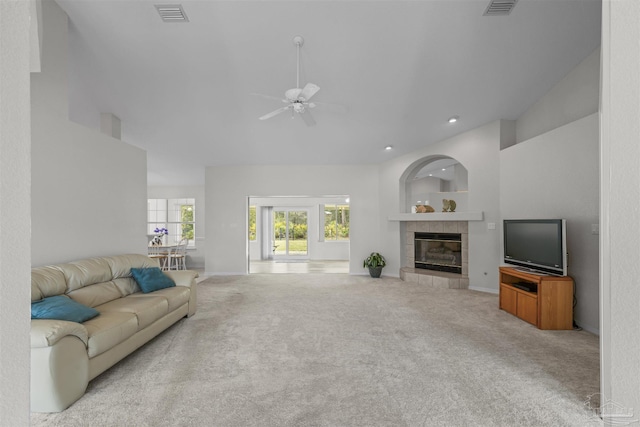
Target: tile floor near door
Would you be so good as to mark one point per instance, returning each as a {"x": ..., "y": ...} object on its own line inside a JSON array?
[{"x": 298, "y": 266}]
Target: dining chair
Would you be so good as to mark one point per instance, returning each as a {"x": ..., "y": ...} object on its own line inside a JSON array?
[
  {"x": 178, "y": 256},
  {"x": 159, "y": 253}
]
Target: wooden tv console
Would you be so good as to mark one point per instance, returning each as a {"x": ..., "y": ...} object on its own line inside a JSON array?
[{"x": 550, "y": 307}]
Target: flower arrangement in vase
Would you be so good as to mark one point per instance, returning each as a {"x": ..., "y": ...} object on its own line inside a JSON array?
[{"x": 160, "y": 233}]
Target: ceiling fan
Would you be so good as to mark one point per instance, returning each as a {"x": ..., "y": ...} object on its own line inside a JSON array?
[{"x": 297, "y": 99}]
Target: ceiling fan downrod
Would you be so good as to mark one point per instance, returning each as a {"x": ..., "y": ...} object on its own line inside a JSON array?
[{"x": 298, "y": 41}]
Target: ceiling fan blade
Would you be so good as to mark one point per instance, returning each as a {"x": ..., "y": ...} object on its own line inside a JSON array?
[
  {"x": 268, "y": 96},
  {"x": 307, "y": 117},
  {"x": 309, "y": 90},
  {"x": 274, "y": 113},
  {"x": 292, "y": 94}
]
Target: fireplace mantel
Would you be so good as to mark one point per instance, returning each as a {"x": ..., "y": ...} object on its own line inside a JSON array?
[{"x": 438, "y": 216}]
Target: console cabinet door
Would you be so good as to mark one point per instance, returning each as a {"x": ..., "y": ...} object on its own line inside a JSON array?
[
  {"x": 528, "y": 308},
  {"x": 508, "y": 298}
]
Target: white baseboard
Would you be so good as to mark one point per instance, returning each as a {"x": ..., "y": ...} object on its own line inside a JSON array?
[
  {"x": 367, "y": 274},
  {"x": 224, "y": 273},
  {"x": 594, "y": 331},
  {"x": 486, "y": 290}
]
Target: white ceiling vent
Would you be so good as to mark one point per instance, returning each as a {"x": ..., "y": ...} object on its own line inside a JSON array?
[
  {"x": 500, "y": 7},
  {"x": 171, "y": 13}
]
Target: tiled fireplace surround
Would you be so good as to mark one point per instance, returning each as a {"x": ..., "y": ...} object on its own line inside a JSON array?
[{"x": 436, "y": 279}]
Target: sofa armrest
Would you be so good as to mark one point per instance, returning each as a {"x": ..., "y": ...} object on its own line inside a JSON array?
[
  {"x": 182, "y": 277},
  {"x": 59, "y": 364},
  {"x": 186, "y": 278},
  {"x": 47, "y": 332},
  {"x": 59, "y": 374}
]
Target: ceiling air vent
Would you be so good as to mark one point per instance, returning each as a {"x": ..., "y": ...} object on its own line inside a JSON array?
[
  {"x": 500, "y": 7},
  {"x": 171, "y": 13}
]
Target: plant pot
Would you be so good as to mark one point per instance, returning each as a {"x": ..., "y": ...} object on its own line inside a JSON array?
[{"x": 375, "y": 272}]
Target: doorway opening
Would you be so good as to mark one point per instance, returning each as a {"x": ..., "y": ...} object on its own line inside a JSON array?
[{"x": 295, "y": 234}]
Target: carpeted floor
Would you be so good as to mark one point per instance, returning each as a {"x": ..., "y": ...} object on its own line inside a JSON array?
[{"x": 340, "y": 350}]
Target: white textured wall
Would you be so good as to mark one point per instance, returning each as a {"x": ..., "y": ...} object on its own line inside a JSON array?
[
  {"x": 555, "y": 175},
  {"x": 15, "y": 274},
  {"x": 573, "y": 97},
  {"x": 228, "y": 187},
  {"x": 477, "y": 150},
  {"x": 195, "y": 258},
  {"x": 620, "y": 212},
  {"x": 88, "y": 190},
  {"x": 420, "y": 190}
]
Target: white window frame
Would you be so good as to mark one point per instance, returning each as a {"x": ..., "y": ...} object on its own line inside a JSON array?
[
  {"x": 166, "y": 213},
  {"x": 323, "y": 223}
]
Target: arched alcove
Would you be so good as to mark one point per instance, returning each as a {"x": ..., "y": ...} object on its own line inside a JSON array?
[{"x": 430, "y": 180}]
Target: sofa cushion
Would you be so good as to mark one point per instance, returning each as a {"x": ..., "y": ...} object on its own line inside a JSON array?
[
  {"x": 151, "y": 279},
  {"x": 121, "y": 264},
  {"x": 60, "y": 307},
  {"x": 126, "y": 286},
  {"x": 176, "y": 296},
  {"x": 97, "y": 294},
  {"x": 47, "y": 282},
  {"x": 108, "y": 330},
  {"x": 147, "y": 308},
  {"x": 85, "y": 272}
]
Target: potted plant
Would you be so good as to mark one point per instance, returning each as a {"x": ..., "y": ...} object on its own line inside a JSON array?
[{"x": 374, "y": 262}]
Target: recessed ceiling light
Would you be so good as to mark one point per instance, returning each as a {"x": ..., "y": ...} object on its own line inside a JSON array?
[
  {"x": 430, "y": 174},
  {"x": 388, "y": 147},
  {"x": 453, "y": 119},
  {"x": 443, "y": 169}
]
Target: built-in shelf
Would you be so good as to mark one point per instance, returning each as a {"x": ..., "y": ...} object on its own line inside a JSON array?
[{"x": 438, "y": 216}]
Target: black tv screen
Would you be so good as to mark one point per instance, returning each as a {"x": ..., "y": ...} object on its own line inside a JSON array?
[{"x": 536, "y": 244}]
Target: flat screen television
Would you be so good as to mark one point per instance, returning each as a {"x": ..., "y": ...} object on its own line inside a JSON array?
[{"x": 539, "y": 245}]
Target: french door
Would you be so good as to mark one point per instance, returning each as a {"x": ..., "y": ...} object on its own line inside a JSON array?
[{"x": 289, "y": 233}]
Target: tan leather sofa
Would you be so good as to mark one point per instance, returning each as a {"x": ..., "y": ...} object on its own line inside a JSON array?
[{"x": 66, "y": 355}]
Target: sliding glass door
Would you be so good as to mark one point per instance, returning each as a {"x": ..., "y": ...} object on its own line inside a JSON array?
[{"x": 290, "y": 237}]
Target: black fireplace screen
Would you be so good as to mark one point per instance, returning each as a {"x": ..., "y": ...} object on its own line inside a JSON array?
[{"x": 438, "y": 251}]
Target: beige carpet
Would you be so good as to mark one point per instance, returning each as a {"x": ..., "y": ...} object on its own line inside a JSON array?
[{"x": 339, "y": 350}]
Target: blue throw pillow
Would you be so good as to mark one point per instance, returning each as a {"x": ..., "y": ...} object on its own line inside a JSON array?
[
  {"x": 62, "y": 308},
  {"x": 151, "y": 279}
]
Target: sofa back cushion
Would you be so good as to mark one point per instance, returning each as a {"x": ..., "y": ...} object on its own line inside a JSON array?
[
  {"x": 96, "y": 294},
  {"x": 85, "y": 272},
  {"x": 121, "y": 265},
  {"x": 47, "y": 282},
  {"x": 126, "y": 285}
]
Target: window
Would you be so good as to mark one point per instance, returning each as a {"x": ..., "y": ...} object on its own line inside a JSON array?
[
  {"x": 252, "y": 223},
  {"x": 336, "y": 222},
  {"x": 176, "y": 215}
]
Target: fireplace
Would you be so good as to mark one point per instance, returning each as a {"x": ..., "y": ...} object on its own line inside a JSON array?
[
  {"x": 415, "y": 272},
  {"x": 438, "y": 251}
]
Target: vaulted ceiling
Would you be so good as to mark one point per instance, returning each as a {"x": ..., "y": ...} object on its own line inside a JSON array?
[{"x": 401, "y": 69}]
